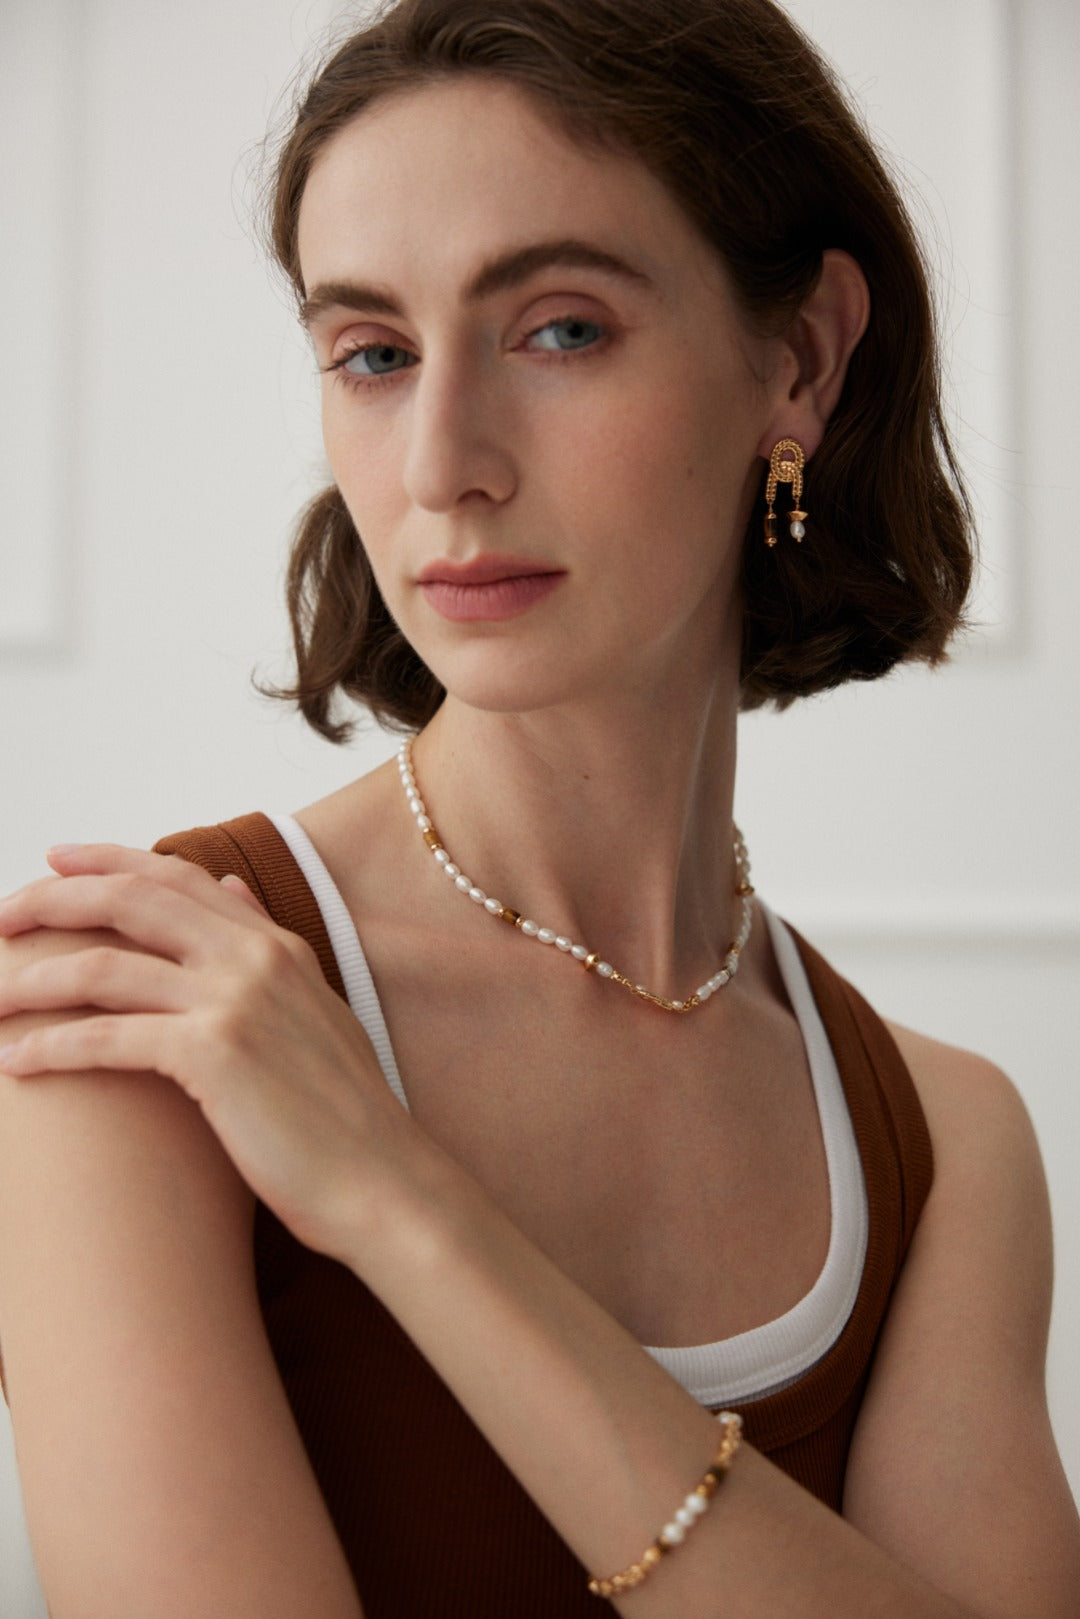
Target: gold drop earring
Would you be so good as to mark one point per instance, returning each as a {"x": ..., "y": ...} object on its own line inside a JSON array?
[{"x": 785, "y": 466}]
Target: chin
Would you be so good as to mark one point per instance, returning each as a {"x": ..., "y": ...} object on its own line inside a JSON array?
[{"x": 510, "y": 680}]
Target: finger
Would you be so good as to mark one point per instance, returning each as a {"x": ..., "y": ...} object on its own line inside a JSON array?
[
  {"x": 133, "y": 1043},
  {"x": 153, "y": 915},
  {"x": 113, "y": 979},
  {"x": 104, "y": 859},
  {"x": 13, "y": 906},
  {"x": 101, "y": 859},
  {"x": 17, "y": 913},
  {"x": 237, "y": 886}
]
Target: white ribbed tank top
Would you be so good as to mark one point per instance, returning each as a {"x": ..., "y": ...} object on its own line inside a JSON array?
[{"x": 732, "y": 1371}]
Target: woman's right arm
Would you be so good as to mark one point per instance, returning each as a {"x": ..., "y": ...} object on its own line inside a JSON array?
[{"x": 163, "y": 1474}]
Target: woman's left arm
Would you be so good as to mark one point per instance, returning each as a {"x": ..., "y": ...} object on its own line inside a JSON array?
[
  {"x": 956, "y": 1506},
  {"x": 954, "y": 1465}
]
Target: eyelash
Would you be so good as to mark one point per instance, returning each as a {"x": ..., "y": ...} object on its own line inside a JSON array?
[{"x": 350, "y": 379}]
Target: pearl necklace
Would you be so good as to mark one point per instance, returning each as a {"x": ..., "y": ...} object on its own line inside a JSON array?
[{"x": 589, "y": 959}]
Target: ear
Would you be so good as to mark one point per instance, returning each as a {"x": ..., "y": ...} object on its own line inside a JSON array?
[{"x": 815, "y": 351}]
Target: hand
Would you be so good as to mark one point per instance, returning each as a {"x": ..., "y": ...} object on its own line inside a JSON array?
[{"x": 212, "y": 994}]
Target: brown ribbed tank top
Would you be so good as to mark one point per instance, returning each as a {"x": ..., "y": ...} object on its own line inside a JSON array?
[{"x": 433, "y": 1524}]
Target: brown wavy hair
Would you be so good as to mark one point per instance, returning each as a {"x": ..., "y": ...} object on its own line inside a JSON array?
[{"x": 729, "y": 104}]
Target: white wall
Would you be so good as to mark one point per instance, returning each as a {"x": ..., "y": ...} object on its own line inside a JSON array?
[{"x": 158, "y": 432}]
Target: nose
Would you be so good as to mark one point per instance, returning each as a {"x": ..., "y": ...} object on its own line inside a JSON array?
[{"x": 458, "y": 437}]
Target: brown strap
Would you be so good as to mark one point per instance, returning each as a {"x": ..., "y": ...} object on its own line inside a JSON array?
[
  {"x": 894, "y": 1146},
  {"x": 252, "y": 848},
  {"x": 903, "y": 1115}
]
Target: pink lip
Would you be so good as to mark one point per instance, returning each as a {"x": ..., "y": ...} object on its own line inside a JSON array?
[
  {"x": 482, "y": 570},
  {"x": 487, "y": 588},
  {"x": 500, "y": 598}
]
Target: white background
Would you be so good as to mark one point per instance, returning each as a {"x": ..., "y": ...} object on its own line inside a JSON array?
[{"x": 158, "y": 432}]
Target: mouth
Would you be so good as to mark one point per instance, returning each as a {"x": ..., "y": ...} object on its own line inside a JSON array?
[
  {"x": 487, "y": 589},
  {"x": 487, "y": 569}
]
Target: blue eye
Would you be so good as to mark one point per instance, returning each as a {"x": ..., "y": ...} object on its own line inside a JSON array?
[
  {"x": 376, "y": 360},
  {"x": 564, "y": 336}
]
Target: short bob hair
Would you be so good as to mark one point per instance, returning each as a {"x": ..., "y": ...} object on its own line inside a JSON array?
[{"x": 731, "y": 107}]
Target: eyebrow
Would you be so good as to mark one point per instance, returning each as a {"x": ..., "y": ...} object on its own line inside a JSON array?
[{"x": 500, "y": 274}]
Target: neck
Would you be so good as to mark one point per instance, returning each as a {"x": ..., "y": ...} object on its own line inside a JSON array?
[{"x": 611, "y": 825}]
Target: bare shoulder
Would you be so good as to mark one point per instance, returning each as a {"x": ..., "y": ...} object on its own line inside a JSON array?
[
  {"x": 941, "y": 1071},
  {"x": 987, "y": 1220},
  {"x": 43, "y": 1121},
  {"x": 979, "y": 1125}
]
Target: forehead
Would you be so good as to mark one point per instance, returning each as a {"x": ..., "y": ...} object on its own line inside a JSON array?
[{"x": 434, "y": 180}]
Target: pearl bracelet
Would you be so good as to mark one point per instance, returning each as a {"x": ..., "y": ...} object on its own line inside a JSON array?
[{"x": 687, "y": 1515}]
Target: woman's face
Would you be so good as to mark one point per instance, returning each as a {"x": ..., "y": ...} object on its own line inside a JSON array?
[{"x": 531, "y": 361}]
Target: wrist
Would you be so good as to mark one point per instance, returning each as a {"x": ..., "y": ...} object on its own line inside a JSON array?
[{"x": 406, "y": 1217}]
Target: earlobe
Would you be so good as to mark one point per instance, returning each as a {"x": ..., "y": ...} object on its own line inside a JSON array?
[{"x": 820, "y": 342}]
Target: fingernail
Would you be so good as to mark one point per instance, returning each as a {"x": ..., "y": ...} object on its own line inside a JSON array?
[
  {"x": 5, "y": 1053},
  {"x": 64, "y": 848}
]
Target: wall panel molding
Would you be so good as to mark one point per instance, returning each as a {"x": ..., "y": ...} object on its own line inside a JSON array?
[
  {"x": 937, "y": 83},
  {"x": 975, "y": 924}
]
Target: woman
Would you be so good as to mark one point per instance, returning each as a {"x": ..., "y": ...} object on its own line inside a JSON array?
[{"x": 630, "y": 392}]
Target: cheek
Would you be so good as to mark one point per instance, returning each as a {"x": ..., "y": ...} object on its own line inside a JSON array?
[
  {"x": 669, "y": 471},
  {"x": 366, "y": 464},
  {"x": 346, "y": 448}
]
